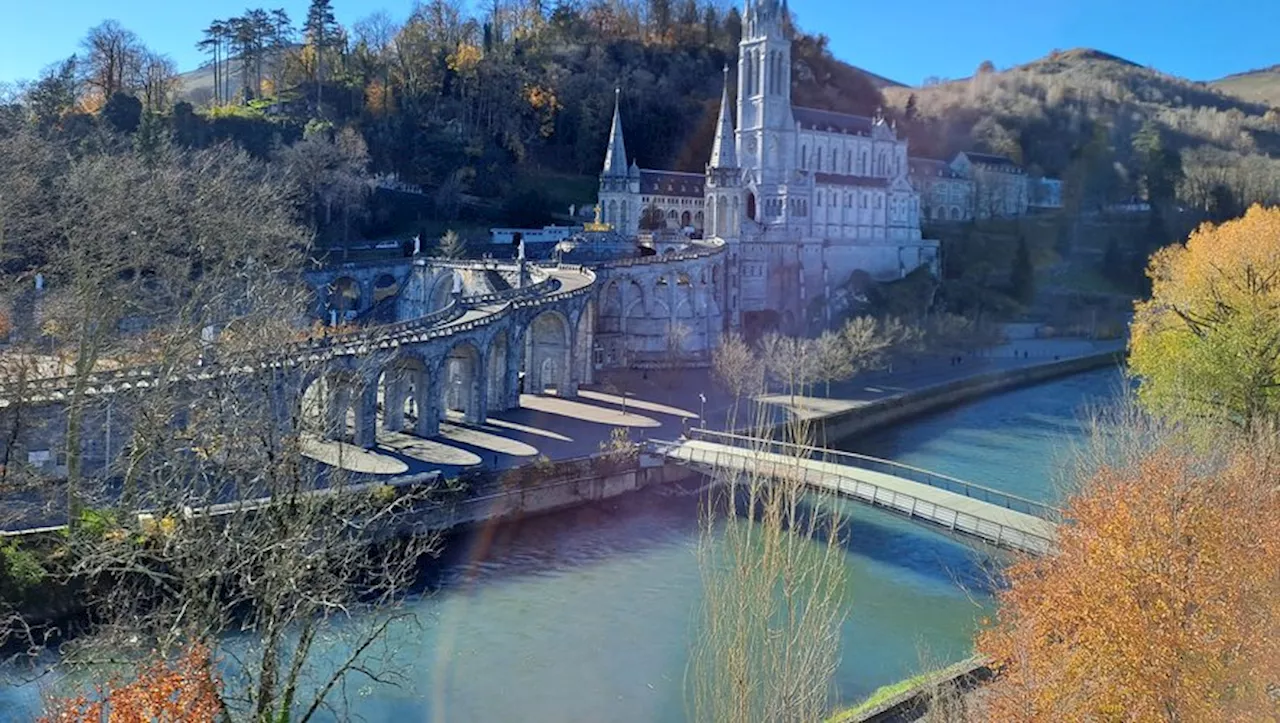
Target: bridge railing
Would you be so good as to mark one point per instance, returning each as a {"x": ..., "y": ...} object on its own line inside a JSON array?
[
  {"x": 516, "y": 292},
  {"x": 889, "y": 467},
  {"x": 911, "y": 506}
]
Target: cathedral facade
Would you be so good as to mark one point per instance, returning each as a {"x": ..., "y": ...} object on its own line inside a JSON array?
[{"x": 803, "y": 199}]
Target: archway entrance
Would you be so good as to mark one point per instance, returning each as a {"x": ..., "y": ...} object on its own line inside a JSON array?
[
  {"x": 546, "y": 357},
  {"x": 344, "y": 299},
  {"x": 462, "y": 383}
]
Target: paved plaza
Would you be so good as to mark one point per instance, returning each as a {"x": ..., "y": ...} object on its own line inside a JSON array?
[{"x": 657, "y": 405}]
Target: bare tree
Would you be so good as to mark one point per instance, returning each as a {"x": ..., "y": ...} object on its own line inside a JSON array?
[
  {"x": 111, "y": 60},
  {"x": 774, "y": 577},
  {"x": 158, "y": 81},
  {"x": 205, "y": 513},
  {"x": 739, "y": 370}
]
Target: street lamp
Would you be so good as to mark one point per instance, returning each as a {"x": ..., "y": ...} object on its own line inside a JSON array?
[{"x": 702, "y": 410}]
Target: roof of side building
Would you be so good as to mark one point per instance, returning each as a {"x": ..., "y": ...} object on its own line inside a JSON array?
[
  {"x": 989, "y": 159},
  {"x": 830, "y": 121},
  {"x": 672, "y": 183}
]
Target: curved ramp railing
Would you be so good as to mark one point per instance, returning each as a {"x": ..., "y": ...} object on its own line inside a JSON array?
[
  {"x": 889, "y": 467},
  {"x": 915, "y": 507}
]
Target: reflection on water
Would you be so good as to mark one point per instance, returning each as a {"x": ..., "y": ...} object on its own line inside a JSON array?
[{"x": 588, "y": 615}]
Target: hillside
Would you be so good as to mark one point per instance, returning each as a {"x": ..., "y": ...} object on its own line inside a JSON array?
[
  {"x": 1048, "y": 113},
  {"x": 1258, "y": 86}
]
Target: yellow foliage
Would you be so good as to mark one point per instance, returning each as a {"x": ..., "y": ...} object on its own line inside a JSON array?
[
  {"x": 1206, "y": 346},
  {"x": 378, "y": 98},
  {"x": 465, "y": 59},
  {"x": 1162, "y": 602}
]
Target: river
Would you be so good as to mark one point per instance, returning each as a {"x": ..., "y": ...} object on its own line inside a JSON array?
[{"x": 586, "y": 615}]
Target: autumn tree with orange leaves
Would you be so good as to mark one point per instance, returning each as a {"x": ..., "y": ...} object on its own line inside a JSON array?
[
  {"x": 185, "y": 690},
  {"x": 1162, "y": 602},
  {"x": 1206, "y": 346}
]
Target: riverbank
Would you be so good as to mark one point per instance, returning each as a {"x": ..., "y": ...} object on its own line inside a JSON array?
[{"x": 584, "y": 613}]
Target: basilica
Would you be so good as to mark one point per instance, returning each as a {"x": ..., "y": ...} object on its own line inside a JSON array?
[{"x": 802, "y": 199}]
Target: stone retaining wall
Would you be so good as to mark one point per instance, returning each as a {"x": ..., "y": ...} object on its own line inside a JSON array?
[
  {"x": 897, "y": 409},
  {"x": 552, "y": 496}
]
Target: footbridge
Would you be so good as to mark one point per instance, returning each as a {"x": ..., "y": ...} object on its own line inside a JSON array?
[{"x": 936, "y": 500}]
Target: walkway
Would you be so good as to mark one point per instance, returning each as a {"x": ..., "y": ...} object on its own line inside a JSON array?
[{"x": 994, "y": 517}]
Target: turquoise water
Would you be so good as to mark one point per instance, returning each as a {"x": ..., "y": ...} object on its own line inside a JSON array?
[{"x": 587, "y": 615}]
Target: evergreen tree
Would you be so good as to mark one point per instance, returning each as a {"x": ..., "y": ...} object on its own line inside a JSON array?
[
  {"x": 1160, "y": 168},
  {"x": 911, "y": 111},
  {"x": 321, "y": 29},
  {"x": 153, "y": 139},
  {"x": 1022, "y": 276},
  {"x": 451, "y": 246}
]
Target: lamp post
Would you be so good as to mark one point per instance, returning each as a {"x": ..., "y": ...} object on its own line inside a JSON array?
[{"x": 702, "y": 409}]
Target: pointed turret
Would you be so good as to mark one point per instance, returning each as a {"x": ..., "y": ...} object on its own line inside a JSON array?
[
  {"x": 723, "y": 153},
  {"x": 615, "y": 159}
]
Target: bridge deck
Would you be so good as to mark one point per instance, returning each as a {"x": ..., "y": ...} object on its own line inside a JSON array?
[{"x": 989, "y": 522}]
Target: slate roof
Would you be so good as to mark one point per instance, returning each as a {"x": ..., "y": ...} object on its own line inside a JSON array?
[
  {"x": 830, "y": 121},
  {"x": 672, "y": 183},
  {"x": 836, "y": 179},
  {"x": 987, "y": 159},
  {"x": 930, "y": 168}
]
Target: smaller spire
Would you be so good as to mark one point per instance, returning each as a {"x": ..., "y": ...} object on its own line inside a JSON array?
[
  {"x": 615, "y": 158},
  {"x": 723, "y": 153}
]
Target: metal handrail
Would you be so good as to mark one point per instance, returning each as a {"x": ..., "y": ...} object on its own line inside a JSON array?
[
  {"x": 885, "y": 498},
  {"x": 915, "y": 474}
]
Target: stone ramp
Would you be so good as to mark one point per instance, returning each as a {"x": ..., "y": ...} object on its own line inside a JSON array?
[{"x": 990, "y": 522}]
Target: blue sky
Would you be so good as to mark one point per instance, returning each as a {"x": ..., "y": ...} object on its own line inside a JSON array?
[{"x": 906, "y": 40}]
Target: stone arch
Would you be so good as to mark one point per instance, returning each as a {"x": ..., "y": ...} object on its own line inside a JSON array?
[
  {"x": 441, "y": 291},
  {"x": 462, "y": 382},
  {"x": 497, "y": 376},
  {"x": 613, "y": 213},
  {"x": 584, "y": 346},
  {"x": 403, "y": 393},
  {"x": 955, "y": 213},
  {"x": 344, "y": 297},
  {"x": 384, "y": 286},
  {"x": 685, "y": 219},
  {"x": 547, "y": 357},
  {"x": 698, "y": 220},
  {"x": 341, "y": 406}
]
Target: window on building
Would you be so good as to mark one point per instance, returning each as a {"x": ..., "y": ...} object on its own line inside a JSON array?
[
  {"x": 804, "y": 157},
  {"x": 848, "y": 163}
]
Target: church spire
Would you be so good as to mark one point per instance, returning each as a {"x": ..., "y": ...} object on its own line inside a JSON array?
[
  {"x": 723, "y": 154},
  {"x": 615, "y": 159}
]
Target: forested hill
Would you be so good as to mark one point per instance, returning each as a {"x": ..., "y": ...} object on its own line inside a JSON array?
[
  {"x": 443, "y": 99},
  {"x": 1076, "y": 114}
]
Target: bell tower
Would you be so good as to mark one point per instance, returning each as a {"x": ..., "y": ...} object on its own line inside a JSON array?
[{"x": 765, "y": 124}]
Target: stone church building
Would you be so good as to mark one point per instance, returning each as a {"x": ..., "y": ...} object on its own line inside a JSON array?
[{"x": 802, "y": 198}]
